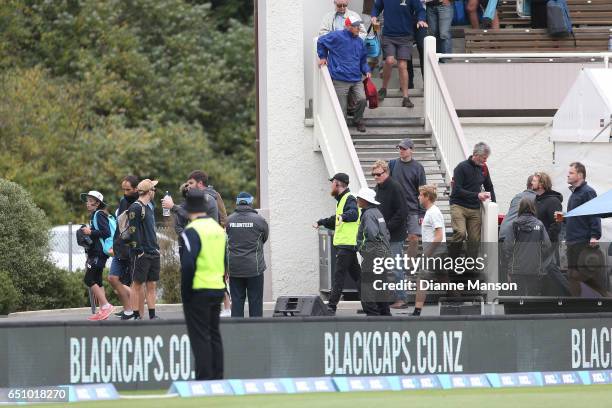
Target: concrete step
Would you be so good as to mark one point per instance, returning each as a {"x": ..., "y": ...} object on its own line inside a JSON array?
[
  {"x": 396, "y": 93},
  {"x": 391, "y": 131},
  {"x": 397, "y": 102},
  {"x": 395, "y": 112},
  {"x": 393, "y": 122},
  {"x": 371, "y": 158}
]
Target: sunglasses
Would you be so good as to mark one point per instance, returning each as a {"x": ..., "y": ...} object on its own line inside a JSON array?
[
  {"x": 342, "y": 5},
  {"x": 378, "y": 174}
]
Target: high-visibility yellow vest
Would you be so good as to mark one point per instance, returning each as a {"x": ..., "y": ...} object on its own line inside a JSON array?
[
  {"x": 346, "y": 233},
  {"x": 210, "y": 264}
]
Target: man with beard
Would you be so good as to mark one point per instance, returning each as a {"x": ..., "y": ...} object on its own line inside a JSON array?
[
  {"x": 119, "y": 276},
  {"x": 345, "y": 223}
]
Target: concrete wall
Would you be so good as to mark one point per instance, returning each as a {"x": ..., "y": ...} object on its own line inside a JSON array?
[
  {"x": 520, "y": 147},
  {"x": 295, "y": 177}
]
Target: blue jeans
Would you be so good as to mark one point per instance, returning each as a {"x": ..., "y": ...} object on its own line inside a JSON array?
[
  {"x": 439, "y": 19},
  {"x": 397, "y": 248}
]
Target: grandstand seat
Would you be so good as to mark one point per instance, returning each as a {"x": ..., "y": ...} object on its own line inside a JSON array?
[
  {"x": 593, "y": 39},
  {"x": 583, "y": 13}
]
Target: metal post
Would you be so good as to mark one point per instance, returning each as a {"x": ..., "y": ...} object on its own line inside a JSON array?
[{"x": 70, "y": 247}]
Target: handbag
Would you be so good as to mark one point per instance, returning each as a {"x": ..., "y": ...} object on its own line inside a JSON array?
[{"x": 372, "y": 44}]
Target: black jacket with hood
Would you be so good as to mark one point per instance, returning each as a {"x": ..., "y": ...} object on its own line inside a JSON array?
[
  {"x": 546, "y": 204},
  {"x": 527, "y": 248}
]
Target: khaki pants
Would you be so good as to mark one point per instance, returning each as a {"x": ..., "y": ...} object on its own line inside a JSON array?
[{"x": 466, "y": 223}]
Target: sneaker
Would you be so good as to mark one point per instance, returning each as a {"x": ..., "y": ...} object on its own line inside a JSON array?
[
  {"x": 106, "y": 312},
  {"x": 399, "y": 305},
  {"x": 94, "y": 317},
  {"x": 382, "y": 94},
  {"x": 128, "y": 317},
  {"x": 119, "y": 314},
  {"x": 407, "y": 103},
  {"x": 226, "y": 313},
  {"x": 156, "y": 317},
  {"x": 360, "y": 126}
]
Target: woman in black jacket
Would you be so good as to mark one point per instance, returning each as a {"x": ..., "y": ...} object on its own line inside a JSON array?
[{"x": 527, "y": 250}]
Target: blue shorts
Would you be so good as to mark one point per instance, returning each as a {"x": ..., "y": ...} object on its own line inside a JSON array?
[{"x": 121, "y": 268}]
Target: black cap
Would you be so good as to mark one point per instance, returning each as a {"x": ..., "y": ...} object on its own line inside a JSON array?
[
  {"x": 343, "y": 177},
  {"x": 196, "y": 201}
]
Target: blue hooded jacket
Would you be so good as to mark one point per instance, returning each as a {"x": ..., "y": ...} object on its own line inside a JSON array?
[{"x": 347, "y": 57}]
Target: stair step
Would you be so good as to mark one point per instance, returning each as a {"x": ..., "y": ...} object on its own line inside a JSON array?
[
  {"x": 398, "y": 132},
  {"x": 397, "y": 93},
  {"x": 393, "y": 121},
  {"x": 395, "y": 112}
]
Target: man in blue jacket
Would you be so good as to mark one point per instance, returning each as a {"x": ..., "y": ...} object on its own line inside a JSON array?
[
  {"x": 347, "y": 58},
  {"x": 398, "y": 37},
  {"x": 580, "y": 232}
]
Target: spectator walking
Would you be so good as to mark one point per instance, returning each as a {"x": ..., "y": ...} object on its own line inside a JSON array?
[
  {"x": 203, "y": 246},
  {"x": 372, "y": 243},
  {"x": 346, "y": 224},
  {"x": 334, "y": 20},
  {"x": 527, "y": 249},
  {"x": 247, "y": 231},
  {"x": 393, "y": 207},
  {"x": 505, "y": 229},
  {"x": 120, "y": 276},
  {"x": 434, "y": 238},
  {"x": 198, "y": 180},
  {"x": 410, "y": 174},
  {"x": 398, "y": 38},
  {"x": 144, "y": 250},
  {"x": 547, "y": 203},
  {"x": 98, "y": 230},
  {"x": 473, "y": 6},
  {"x": 580, "y": 232},
  {"x": 346, "y": 56},
  {"x": 471, "y": 186},
  {"x": 439, "y": 19}
]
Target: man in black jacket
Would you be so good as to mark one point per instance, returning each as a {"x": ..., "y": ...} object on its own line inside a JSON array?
[
  {"x": 393, "y": 207},
  {"x": 471, "y": 185},
  {"x": 247, "y": 231},
  {"x": 119, "y": 275},
  {"x": 548, "y": 202},
  {"x": 345, "y": 223}
]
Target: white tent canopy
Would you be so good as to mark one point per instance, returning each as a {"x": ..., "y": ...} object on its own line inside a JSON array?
[{"x": 586, "y": 110}]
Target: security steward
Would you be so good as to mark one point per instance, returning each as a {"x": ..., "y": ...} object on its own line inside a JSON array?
[
  {"x": 203, "y": 285},
  {"x": 345, "y": 223}
]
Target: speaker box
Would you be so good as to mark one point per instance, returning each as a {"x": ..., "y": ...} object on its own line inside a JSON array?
[{"x": 310, "y": 305}]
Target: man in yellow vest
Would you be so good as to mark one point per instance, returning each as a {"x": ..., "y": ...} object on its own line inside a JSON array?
[
  {"x": 203, "y": 245},
  {"x": 345, "y": 223}
]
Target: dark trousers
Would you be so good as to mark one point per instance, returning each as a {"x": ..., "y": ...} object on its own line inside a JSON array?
[
  {"x": 240, "y": 289},
  {"x": 346, "y": 262},
  {"x": 376, "y": 308},
  {"x": 202, "y": 318},
  {"x": 420, "y": 34}
]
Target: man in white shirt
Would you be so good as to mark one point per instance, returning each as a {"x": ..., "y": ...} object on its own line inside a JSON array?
[
  {"x": 334, "y": 20},
  {"x": 434, "y": 238}
]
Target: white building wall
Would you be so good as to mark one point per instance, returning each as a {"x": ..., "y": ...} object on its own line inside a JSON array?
[
  {"x": 296, "y": 192},
  {"x": 519, "y": 147}
]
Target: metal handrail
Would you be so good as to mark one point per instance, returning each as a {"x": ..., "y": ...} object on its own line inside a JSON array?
[{"x": 606, "y": 56}]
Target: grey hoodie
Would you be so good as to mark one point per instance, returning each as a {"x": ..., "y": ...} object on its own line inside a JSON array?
[
  {"x": 372, "y": 229},
  {"x": 247, "y": 231}
]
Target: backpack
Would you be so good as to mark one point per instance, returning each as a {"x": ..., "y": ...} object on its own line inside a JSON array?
[
  {"x": 107, "y": 243},
  {"x": 558, "y": 19},
  {"x": 392, "y": 166},
  {"x": 123, "y": 223}
]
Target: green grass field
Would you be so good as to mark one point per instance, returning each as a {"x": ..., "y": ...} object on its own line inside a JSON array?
[{"x": 551, "y": 397}]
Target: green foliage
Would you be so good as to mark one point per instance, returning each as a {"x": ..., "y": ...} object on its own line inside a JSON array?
[
  {"x": 23, "y": 257},
  {"x": 8, "y": 294},
  {"x": 92, "y": 91}
]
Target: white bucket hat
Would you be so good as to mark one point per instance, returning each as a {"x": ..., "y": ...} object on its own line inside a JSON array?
[
  {"x": 95, "y": 194},
  {"x": 369, "y": 195}
]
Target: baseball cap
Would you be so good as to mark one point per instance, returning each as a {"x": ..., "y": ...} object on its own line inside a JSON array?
[
  {"x": 94, "y": 194},
  {"x": 406, "y": 144},
  {"x": 352, "y": 21},
  {"x": 343, "y": 177},
  {"x": 244, "y": 198},
  {"x": 146, "y": 185}
]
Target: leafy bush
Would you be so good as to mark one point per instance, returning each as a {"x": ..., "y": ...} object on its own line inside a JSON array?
[{"x": 8, "y": 294}]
